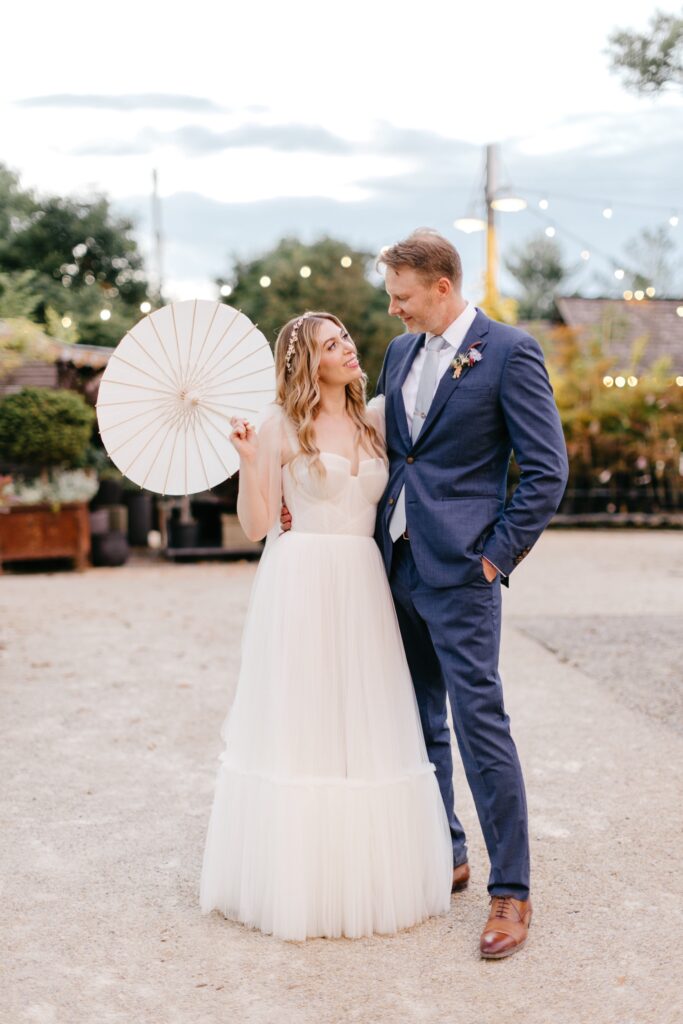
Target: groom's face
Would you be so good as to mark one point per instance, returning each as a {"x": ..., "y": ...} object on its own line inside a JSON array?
[{"x": 412, "y": 298}]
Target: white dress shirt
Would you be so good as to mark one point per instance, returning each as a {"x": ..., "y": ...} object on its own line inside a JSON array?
[{"x": 454, "y": 336}]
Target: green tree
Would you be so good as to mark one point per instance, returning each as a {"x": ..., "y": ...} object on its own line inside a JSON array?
[
  {"x": 540, "y": 270},
  {"x": 16, "y": 204},
  {"x": 651, "y": 60},
  {"x": 72, "y": 256},
  {"x": 650, "y": 255},
  {"x": 345, "y": 291}
]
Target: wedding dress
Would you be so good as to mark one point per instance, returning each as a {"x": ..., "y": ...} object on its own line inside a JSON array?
[{"x": 327, "y": 818}]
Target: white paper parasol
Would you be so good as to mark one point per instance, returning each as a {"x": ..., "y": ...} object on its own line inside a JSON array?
[{"x": 170, "y": 388}]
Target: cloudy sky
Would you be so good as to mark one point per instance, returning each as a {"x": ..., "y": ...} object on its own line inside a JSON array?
[{"x": 360, "y": 120}]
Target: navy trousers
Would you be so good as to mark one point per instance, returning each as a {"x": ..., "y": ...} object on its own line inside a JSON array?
[{"x": 452, "y": 639}]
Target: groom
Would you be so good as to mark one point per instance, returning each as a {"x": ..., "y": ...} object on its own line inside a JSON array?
[{"x": 463, "y": 391}]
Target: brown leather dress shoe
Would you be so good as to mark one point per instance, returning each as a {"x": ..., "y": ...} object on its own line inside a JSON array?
[
  {"x": 461, "y": 876},
  {"x": 507, "y": 927}
]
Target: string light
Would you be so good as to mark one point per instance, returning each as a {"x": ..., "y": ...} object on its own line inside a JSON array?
[
  {"x": 66, "y": 321},
  {"x": 550, "y": 231},
  {"x": 544, "y": 204},
  {"x": 639, "y": 295},
  {"x": 346, "y": 261},
  {"x": 619, "y": 274},
  {"x": 608, "y": 381},
  {"x": 305, "y": 272},
  {"x": 679, "y": 381},
  {"x": 265, "y": 281},
  {"x": 673, "y": 220},
  {"x": 631, "y": 381},
  {"x": 620, "y": 381},
  {"x": 105, "y": 314},
  {"x": 628, "y": 295},
  {"x": 607, "y": 212},
  {"x": 679, "y": 310},
  {"x": 585, "y": 254},
  {"x": 469, "y": 224},
  {"x": 145, "y": 307},
  {"x": 226, "y": 289}
]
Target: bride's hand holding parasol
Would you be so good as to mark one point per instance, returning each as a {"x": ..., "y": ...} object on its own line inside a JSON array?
[{"x": 243, "y": 439}]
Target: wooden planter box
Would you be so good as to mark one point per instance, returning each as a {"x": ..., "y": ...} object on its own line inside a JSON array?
[{"x": 38, "y": 531}]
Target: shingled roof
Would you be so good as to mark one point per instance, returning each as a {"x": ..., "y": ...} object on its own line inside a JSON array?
[{"x": 619, "y": 323}]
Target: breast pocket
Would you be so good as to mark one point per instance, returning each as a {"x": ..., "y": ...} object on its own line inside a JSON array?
[{"x": 469, "y": 393}]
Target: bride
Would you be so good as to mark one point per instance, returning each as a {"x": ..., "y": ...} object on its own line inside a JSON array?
[{"x": 327, "y": 818}]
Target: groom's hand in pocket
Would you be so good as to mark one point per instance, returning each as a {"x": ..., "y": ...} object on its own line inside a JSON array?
[
  {"x": 490, "y": 571},
  {"x": 285, "y": 518}
]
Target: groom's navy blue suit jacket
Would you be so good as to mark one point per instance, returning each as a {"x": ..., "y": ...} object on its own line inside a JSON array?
[{"x": 455, "y": 473}]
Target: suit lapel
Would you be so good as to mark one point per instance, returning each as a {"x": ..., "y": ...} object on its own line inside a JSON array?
[
  {"x": 397, "y": 390},
  {"x": 448, "y": 383}
]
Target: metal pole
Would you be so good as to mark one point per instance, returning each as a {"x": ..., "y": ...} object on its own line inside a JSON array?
[
  {"x": 491, "y": 297},
  {"x": 156, "y": 234}
]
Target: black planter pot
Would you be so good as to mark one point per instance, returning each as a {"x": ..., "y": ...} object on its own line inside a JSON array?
[
  {"x": 109, "y": 549},
  {"x": 110, "y": 492},
  {"x": 139, "y": 517},
  {"x": 183, "y": 535}
]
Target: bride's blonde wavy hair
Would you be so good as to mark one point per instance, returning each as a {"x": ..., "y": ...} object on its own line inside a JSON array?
[{"x": 298, "y": 391}]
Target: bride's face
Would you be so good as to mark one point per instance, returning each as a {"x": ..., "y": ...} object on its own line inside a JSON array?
[{"x": 338, "y": 357}]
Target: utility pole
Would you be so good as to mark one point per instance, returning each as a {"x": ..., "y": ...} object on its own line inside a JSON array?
[
  {"x": 491, "y": 295},
  {"x": 156, "y": 236}
]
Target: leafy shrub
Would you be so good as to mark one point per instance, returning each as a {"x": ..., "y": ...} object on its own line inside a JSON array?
[{"x": 41, "y": 427}]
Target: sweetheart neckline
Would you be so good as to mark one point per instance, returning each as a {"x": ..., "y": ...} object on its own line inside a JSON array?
[{"x": 361, "y": 462}]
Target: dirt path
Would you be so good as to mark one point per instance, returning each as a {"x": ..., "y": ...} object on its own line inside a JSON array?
[{"x": 114, "y": 686}]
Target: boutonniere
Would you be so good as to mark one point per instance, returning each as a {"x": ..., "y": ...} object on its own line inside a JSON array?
[{"x": 465, "y": 359}]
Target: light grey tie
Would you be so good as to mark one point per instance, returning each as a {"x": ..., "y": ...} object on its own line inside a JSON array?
[{"x": 425, "y": 393}]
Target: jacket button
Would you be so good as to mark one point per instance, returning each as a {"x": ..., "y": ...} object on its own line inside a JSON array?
[
  {"x": 410, "y": 460},
  {"x": 391, "y": 501}
]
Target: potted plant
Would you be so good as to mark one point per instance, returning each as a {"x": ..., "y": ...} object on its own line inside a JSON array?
[
  {"x": 44, "y": 436},
  {"x": 183, "y": 528}
]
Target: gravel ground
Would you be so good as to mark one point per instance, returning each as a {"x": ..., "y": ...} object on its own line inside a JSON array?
[{"x": 114, "y": 686}]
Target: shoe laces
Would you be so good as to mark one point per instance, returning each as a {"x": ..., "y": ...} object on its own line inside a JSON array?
[{"x": 502, "y": 906}]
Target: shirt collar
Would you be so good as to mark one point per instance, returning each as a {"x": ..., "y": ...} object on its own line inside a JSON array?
[{"x": 455, "y": 332}]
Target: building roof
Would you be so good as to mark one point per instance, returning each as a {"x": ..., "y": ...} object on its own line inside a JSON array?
[
  {"x": 619, "y": 323},
  {"x": 95, "y": 356}
]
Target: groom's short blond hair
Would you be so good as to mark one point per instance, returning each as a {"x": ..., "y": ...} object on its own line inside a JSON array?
[{"x": 428, "y": 253}]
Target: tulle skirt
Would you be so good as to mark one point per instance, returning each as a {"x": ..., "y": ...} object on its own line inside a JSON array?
[{"x": 327, "y": 818}]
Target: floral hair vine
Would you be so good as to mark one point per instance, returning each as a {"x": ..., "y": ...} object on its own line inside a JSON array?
[{"x": 292, "y": 342}]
